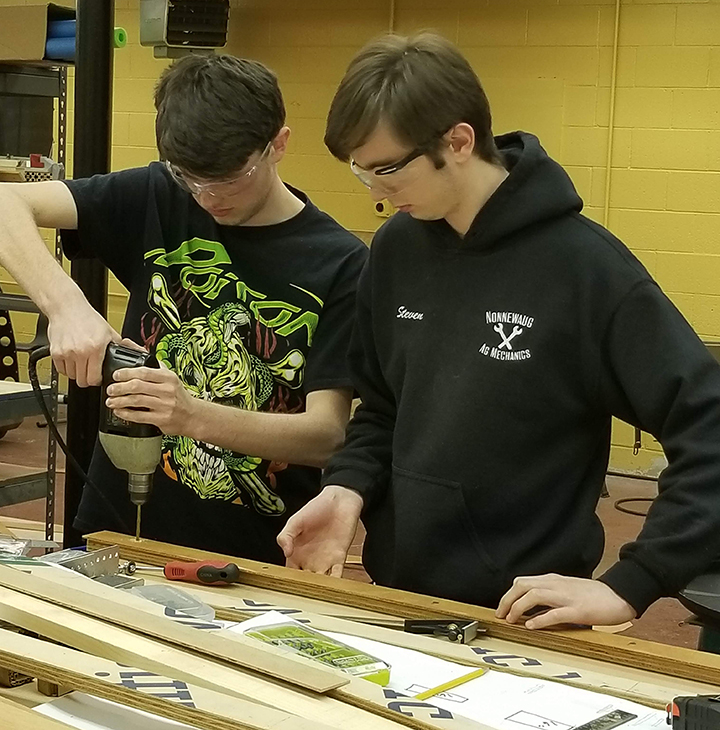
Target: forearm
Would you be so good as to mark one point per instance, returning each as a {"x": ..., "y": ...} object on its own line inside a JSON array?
[
  {"x": 668, "y": 384},
  {"x": 291, "y": 438},
  {"x": 365, "y": 461},
  {"x": 24, "y": 254}
]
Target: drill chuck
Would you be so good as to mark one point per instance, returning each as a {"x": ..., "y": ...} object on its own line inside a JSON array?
[
  {"x": 138, "y": 456},
  {"x": 139, "y": 486}
]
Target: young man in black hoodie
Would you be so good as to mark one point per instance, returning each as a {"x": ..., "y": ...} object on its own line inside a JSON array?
[{"x": 497, "y": 333}]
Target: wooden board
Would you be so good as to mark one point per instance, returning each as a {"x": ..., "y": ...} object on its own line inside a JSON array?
[
  {"x": 123, "y": 646},
  {"x": 111, "y": 642},
  {"x": 224, "y": 645},
  {"x": 358, "y": 693},
  {"x": 649, "y": 688},
  {"x": 76, "y": 591},
  {"x": 30, "y": 529},
  {"x": 259, "y": 595},
  {"x": 290, "y": 605},
  {"x": 19, "y": 717},
  {"x": 142, "y": 690},
  {"x": 12, "y": 386},
  {"x": 620, "y": 650}
]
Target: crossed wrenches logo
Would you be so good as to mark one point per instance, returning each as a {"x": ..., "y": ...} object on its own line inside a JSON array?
[{"x": 507, "y": 340}]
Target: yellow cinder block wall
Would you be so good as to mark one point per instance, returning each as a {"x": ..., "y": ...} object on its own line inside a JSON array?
[{"x": 547, "y": 68}]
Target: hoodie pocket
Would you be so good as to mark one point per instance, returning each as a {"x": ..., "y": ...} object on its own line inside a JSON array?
[{"x": 434, "y": 547}]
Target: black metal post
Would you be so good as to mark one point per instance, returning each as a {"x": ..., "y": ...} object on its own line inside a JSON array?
[{"x": 93, "y": 126}]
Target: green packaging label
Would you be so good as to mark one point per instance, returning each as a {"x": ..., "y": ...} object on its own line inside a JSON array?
[{"x": 314, "y": 645}]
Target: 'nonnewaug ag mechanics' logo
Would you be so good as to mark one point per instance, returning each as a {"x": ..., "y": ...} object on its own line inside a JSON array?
[{"x": 508, "y": 327}]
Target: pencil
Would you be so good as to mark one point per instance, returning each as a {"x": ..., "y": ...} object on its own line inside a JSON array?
[{"x": 450, "y": 685}]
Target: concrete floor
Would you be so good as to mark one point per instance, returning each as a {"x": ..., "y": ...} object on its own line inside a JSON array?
[{"x": 664, "y": 622}]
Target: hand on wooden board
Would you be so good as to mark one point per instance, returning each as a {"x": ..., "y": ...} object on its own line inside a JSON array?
[{"x": 552, "y": 599}]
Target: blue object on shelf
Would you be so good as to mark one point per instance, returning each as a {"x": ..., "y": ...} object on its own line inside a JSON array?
[
  {"x": 61, "y": 28},
  {"x": 60, "y": 49}
]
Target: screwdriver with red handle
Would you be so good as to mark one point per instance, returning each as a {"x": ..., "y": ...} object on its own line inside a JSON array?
[{"x": 208, "y": 572}]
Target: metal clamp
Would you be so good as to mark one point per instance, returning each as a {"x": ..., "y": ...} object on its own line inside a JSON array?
[{"x": 461, "y": 632}]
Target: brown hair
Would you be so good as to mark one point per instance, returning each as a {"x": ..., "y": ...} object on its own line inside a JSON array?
[
  {"x": 214, "y": 111},
  {"x": 421, "y": 86}
]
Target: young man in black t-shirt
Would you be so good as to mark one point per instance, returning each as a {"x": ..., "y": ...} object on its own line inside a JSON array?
[{"x": 240, "y": 287}]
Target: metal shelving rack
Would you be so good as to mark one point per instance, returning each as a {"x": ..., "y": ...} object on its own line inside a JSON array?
[{"x": 37, "y": 79}]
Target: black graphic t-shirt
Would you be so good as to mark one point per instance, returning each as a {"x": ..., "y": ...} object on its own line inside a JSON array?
[{"x": 250, "y": 317}]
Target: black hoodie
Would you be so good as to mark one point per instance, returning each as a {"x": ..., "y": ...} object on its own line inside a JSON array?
[{"x": 489, "y": 368}]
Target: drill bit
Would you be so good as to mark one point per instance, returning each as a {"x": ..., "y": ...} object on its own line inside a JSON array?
[{"x": 137, "y": 523}]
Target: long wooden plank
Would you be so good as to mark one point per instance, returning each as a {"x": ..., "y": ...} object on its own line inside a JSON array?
[
  {"x": 621, "y": 650},
  {"x": 30, "y": 529},
  {"x": 84, "y": 594},
  {"x": 358, "y": 692},
  {"x": 120, "y": 645},
  {"x": 5, "y": 531},
  {"x": 141, "y": 690},
  {"x": 347, "y": 710},
  {"x": 299, "y": 603},
  {"x": 224, "y": 645},
  {"x": 19, "y": 717},
  {"x": 654, "y": 690},
  {"x": 79, "y": 581},
  {"x": 649, "y": 688}
]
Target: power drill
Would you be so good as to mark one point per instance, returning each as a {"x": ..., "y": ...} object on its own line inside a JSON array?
[
  {"x": 133, "y": 447},
  {"x": 701, "y": 712}
]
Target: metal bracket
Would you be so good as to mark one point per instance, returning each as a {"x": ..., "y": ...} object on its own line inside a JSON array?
[
  {"x": 105, "y": 561},
  {"x": 461, "y": 632}
]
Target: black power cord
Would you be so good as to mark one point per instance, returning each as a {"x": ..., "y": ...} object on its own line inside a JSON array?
[
  {"x": 627, "y": 511},
  {"x": 618, "y": 503},
  {"x": 39, "y": 354}
]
